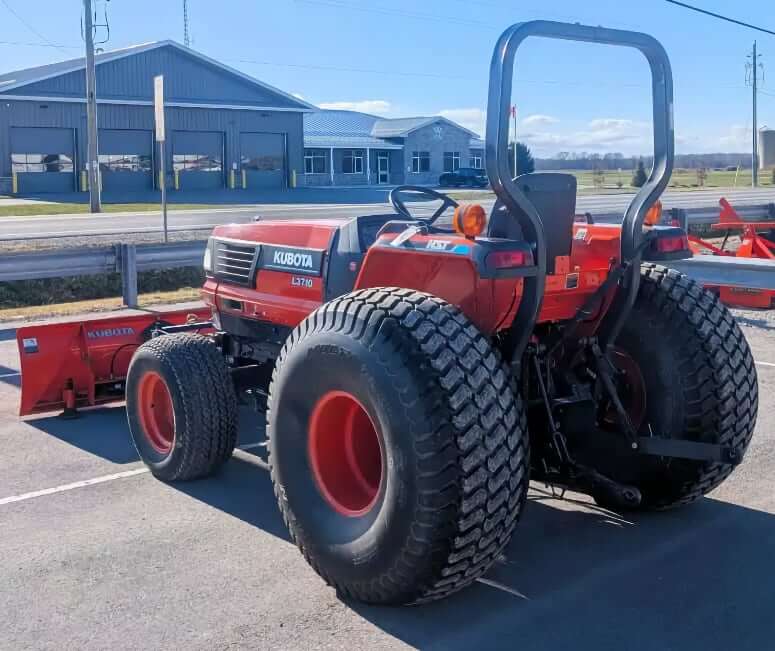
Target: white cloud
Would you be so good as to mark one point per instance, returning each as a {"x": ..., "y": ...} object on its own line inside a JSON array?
[
  {"x": 473, "y": 119},
  {"x": 602, "y": 124},
  {"x": 599, "y": 135},
  {"x": 376, "y": 106},
  {"x": 738, "y": 138},
  {"x": 539, "y": 120}
]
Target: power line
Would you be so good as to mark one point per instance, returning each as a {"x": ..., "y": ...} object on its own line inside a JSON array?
[
  {"x": 38, "y": 44},
  {"x": 720, "y": 17},
  {"x": 30, "y": 27},
  {"x": 403, "y": 73},
  {"x": 371, "y": 71}
]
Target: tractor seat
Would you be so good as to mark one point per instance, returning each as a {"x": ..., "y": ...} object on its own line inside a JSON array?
[
  {"x": 554, "y": 197},
  {"x": 353, "y": 238}
]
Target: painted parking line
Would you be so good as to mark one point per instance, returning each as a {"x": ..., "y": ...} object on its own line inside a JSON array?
[
  {"x": 94, "y": 481},
  {"x": 502, "y": 587},
  {"x": 770, "y": 364},
  {"x": 68, "y": 487}
]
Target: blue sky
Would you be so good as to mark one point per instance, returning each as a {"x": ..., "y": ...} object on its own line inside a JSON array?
[{"x": 401, "y": 57}]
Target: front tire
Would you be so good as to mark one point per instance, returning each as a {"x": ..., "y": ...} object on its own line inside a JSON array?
[
  {"x": 397, "y": 446},
  {"x": 695, "y": 379},
  {"x": 181, "y": 406}
]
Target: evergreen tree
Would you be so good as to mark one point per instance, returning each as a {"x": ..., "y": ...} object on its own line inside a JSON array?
[
  {"x": 525, "y": 162},
  {"x": 639, "y": 178}
]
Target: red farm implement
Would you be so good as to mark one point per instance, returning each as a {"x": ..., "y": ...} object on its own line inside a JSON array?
[
  {"x": 757, "y": 241},
  {"x": 67, "y": 366}
]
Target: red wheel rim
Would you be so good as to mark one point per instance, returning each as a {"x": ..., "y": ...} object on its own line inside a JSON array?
[
  {"x": 345, "y": 452},
  {"x": 156, "y": 413},
  {"x": 632, "y": 388}
]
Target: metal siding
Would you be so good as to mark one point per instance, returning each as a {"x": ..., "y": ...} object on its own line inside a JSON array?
[{"x": 186, "y": 79}]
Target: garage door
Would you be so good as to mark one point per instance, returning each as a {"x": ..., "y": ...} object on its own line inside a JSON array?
[
  {"x": 43, "y": 159},
  {"x": 126, "y": 160},
  {"x": 262, "y": 157},
  {"x": 197, "y": 158}
]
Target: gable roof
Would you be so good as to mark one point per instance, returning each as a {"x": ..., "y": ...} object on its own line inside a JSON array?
[
  {"x": 402, "y": 127},
  {"x": 20, "y": 78},
  {"x": 338, "y": 128}
]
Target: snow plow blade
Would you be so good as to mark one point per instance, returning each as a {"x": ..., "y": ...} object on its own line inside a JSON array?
[{"x": 66, "y": 366}]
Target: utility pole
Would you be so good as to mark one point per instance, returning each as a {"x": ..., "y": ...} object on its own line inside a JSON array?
[
  {"x": 752, "y": 68},
  {"x": 186, "y": 32},
  {"x": 91, "y": 110}
]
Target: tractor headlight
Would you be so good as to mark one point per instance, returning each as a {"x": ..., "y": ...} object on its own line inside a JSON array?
[{"x": 207, "y": 262}]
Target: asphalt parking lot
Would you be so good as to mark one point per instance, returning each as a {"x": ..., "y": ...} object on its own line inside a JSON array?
[{"x": 97, "y": 554}]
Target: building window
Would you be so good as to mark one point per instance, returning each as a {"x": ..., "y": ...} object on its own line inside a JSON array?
[
  {"x": 196, "y": 163},
  {"x": 421, "y": 161},
  {"x": 41, "y": 163},
  {"x": 352, "y": 161},
  {"x": 265, "y": 163},
  {"x": 125, "y": 163},
  {"x": 451, "y": 161},
  {"x": 476, "y": 161},
  {"x": 314, "y": 161}
]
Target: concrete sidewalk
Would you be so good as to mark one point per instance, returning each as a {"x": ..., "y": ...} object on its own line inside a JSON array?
[{"x": 19, "y": 201}]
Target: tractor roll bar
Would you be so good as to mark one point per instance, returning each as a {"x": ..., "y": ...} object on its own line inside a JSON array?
[{"x": 496, "y": 148}]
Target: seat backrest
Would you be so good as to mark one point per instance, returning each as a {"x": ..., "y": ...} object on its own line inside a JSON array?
[
  {"x": 351, "y": 241},
  {"x": 554, "y": 196}
]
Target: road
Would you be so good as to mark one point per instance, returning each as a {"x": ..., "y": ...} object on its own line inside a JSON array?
[
  {"x": 112, "y": 223},
  {"x": 126, "y": 562}
]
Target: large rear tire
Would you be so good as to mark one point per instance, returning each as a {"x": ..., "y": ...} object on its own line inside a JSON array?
[
  {"x": 693, "y": 378},
  {"x": 398, "y": 447},
  {"x": 181, "y": 406}
]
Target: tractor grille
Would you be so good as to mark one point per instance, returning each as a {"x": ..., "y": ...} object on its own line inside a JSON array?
[{"x": 234, "y": 262}]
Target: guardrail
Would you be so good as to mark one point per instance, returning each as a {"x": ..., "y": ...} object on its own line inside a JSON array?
[
  {"x": 715, "y": 270},
  {"x": 703, "y": 216},
  {"x": 129, "y": 259},
  {"x": 122, "y": 233},
  {"x": 126, "y": 259}
]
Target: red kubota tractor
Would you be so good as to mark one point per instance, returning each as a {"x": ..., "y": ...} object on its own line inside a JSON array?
[{"x": 415, "y": 377}]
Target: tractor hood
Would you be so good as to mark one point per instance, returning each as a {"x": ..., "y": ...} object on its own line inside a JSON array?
[{"x": 304, "y": 233}]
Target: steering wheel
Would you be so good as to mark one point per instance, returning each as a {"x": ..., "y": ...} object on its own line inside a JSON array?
[{"x": 397, "y": 201}]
